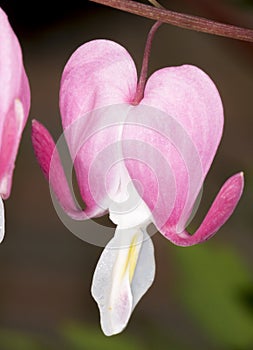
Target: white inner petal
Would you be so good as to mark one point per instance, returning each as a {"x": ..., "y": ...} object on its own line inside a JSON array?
[
  {"x": 119, "y": 281},
  {"x": 127, "y": 209},
  {"x": 2, "y": 223},
  {"x": 4, "y": 185}
]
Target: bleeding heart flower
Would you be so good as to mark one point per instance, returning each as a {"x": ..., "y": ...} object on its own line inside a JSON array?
[
  {"x": 14, "y": 107},
  {"x": 141, "y": 161}
]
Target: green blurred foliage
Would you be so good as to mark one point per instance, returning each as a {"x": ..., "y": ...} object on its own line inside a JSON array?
[
  {"x": 71, "y": 337},
  {"x": 13, "y": 340},
  {"x": 217, "y": 288},
  {"x": 84, "y": 337}
]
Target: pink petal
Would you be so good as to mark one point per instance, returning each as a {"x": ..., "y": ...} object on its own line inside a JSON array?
[
  {"x": 220, "y": 211},
  {"x": 180, "y": 121},
  {"x": 99, "y": 74},
  {"x": 187, "y": 94},
  {"x": 10, "y": 142},
  {"x": 14, "y": 102},
  {"x": 50, "y": 163}
]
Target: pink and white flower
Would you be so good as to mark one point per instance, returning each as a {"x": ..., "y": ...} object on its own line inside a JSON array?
[
  {"x": 140, "y": 163},
  {"x": 14, "y": 107}
]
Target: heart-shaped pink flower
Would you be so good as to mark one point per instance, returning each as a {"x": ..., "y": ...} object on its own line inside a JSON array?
[{"x": 141, "y": 163}]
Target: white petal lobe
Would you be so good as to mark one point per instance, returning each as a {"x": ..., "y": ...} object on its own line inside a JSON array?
[
  {"x": 2, "y": 220},
  {"x": 123, "y": 274}
]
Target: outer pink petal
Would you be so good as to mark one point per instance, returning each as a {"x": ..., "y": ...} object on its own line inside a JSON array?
[
  {"x": 50, "y": 163},
  {"x": 185, "y": 120},
  {"x": 187, "y": 94},
  {"x": 221, "y": 209},
  {"x": 14, "y": 102},
  {"x": 99, "y": 74}
]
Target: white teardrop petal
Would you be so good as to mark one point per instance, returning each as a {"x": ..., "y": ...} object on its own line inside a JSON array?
[
  {"x": 118, "y": 282},
  {"x": 145, "y": 270}
]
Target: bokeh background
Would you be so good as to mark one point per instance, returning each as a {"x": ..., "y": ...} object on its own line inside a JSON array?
[{"x": 202, "y": 296}]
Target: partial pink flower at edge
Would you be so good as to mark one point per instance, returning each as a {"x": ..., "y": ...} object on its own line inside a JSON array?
[
  {"x": 14, "y": 106},
  {"x": 178, "y": 123}
]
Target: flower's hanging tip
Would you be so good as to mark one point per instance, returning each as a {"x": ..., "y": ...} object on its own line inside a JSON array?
[
  {"x": 124, "y": 272},
  {"x": 234, "y": 187},
  {"x": 36, "y": 125},
  {"x": 2, "y": 220},
  {"x": 34, "y": 133},
  {"x": 38, "y": 133},
  {"x": 220, "y": 211},
  {"x": 241, "y": 174},
  {"x": 37, "y": 130},
  {"x": 34, "y": 122},
  {"x": 115, "y": 302},
  {"x": 43, "y": 146}
]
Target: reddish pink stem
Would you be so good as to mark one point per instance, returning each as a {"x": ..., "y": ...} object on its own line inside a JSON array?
[
  {"x": 180, "y": 20},
  {"x": 144, "y": 69}
]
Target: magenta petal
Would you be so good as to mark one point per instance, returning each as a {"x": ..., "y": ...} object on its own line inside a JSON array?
[
  {"x": 220, "y": 211},
  {"x": 50, "y": 163},
  {"x": 14, "y": 102}
]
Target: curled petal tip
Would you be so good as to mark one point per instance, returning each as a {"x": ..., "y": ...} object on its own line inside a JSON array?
[
  {"x": 43, "y": 146},
  {"x": 220, "y": 211},
  {"x": 45, "y": 151},
  {"x": 241, "y": 174},
  {"x": 234, "y": 187},
  {"x": 50, "y": 163}
]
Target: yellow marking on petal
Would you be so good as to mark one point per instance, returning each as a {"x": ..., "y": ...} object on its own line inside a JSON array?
[{"x": 131, "y": 260}]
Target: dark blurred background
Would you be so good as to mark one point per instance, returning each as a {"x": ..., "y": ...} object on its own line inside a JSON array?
[{"x": 202, "y": 296}]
